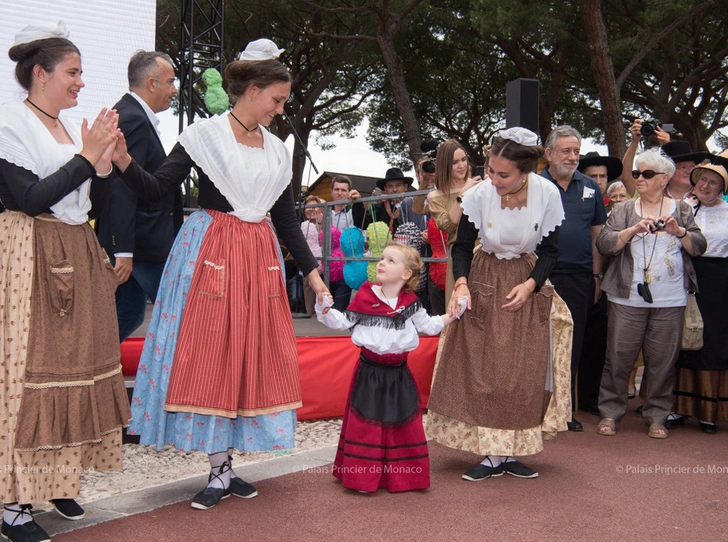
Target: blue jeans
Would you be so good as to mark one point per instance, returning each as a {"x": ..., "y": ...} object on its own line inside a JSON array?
[
  {"x": 341, "y": 293},
  {"x": 131, "y": 297}
]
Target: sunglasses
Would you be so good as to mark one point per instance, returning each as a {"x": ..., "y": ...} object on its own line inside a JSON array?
[{"x": 647, "y": 174}]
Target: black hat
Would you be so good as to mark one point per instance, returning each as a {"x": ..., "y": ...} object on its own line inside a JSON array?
[
  {"x": 394, "y": 174},
  {"x": 680, "y": 151},
  {"x": 720, "y": 159},
  {"x": 614, "y": 165}
]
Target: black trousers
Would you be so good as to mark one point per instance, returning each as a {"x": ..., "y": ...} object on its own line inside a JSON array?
[
  {"x": 577, "y": 291},
  {"x": 593, "y": 354}
]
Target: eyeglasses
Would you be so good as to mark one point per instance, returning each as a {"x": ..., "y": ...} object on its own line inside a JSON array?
[
  {"x": 647, "y": 174},
  {"x": 712, "y": 183}
]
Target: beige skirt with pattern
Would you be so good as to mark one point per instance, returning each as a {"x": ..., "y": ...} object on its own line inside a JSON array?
[
  {"x": 65, "y": 401},
  {"x": 504, "y": 377}
]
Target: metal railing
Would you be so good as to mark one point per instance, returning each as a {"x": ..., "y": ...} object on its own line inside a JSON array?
[{"x": 327, "y": 223}]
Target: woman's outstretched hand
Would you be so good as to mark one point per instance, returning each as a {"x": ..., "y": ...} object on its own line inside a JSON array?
[{"x": 121, "y": 155}]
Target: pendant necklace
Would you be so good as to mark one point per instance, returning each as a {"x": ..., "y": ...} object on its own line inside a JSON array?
[
  {"x": 249, "y": 130},
  {"x": 646, "y": 272},
  {"x": 509, "y": 194},
  {"x": 55, "y": 119}
]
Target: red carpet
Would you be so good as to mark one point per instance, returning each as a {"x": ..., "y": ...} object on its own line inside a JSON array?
[{"x": 591, "y": 487}]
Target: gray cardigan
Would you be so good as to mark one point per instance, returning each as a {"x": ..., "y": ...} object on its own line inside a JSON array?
[{"x": 618, "y": 278}]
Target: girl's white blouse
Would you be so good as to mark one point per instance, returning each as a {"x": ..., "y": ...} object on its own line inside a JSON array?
[{"x": 383, "y": 340}]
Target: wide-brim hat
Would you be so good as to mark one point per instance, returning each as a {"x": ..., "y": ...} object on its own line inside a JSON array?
[
  {"x": 680, "y": 151},
  {"x": 394, "y": 174},
  {"x": 719, "y": 169},
  {"x": 614, "y": 165}
]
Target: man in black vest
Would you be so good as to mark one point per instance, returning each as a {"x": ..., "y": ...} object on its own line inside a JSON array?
[{"x": 138, "y": 234}]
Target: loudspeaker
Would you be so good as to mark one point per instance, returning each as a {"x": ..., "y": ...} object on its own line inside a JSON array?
[{"x": 522, "y": 104}]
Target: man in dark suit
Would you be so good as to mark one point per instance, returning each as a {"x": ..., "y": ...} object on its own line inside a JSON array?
[{"x": 138, "y": 234}]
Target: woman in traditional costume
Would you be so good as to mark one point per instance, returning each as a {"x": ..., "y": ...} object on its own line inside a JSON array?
[
  {"x": 219, "y": 369},
  {"x": 497, "y": 375},
  {"x": 64, "y": 402}
]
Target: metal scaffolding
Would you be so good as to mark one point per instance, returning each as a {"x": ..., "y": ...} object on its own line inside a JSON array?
[
  {"x": 200, "y": 47},
  {"x": 201, "y": 43}
]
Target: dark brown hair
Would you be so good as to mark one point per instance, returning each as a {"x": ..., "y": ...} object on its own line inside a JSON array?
[
  {"x": 443, "y": 166},
  {"x": 46, "y": 53},
  {"x": 524, "y": 156},
  {"x": 341, "y": 179},
  {"x": 261, "y": 73}
]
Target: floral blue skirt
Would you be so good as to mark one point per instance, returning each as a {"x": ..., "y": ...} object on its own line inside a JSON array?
[{"x": 184, "y": 430}]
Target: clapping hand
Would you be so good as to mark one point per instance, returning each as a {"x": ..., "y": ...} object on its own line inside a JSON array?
[{"x": 98, "y": 137}]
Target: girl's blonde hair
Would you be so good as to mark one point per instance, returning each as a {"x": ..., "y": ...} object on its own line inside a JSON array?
[{"x": 412, "y": 261}]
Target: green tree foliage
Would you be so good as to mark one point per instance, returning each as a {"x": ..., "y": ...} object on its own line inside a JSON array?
[
  {"x": 456, "y": 81},
  {"x": 417, "y": 69}
]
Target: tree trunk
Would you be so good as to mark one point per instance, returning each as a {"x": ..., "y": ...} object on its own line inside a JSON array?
[
  {"x": 603, "y": 69},
  {"x": 399, "y": 91}
]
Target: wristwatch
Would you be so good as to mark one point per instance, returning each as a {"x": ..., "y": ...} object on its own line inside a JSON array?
[{"x": 599, "y": 276}]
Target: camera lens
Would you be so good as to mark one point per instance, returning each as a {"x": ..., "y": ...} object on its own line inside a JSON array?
[{"x": 647, "y": 129}]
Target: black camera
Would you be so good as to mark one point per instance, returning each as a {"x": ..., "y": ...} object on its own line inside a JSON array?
[
  {"x": 429, "y": 150},
  {"x": 648, "y": 127},
  {"x": 657, "y": 226},
  {"x": 643, "y": 289}
]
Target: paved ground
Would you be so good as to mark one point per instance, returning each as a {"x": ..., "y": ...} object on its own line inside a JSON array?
[{"x": 591, "y": 487}]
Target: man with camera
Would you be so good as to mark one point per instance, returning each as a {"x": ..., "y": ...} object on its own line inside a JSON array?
[
  {"x": 577, "y": 275},
  {"x": 680, "y": 152}
]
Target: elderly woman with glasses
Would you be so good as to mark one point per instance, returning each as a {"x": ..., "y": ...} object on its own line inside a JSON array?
[
  {"x": 651, "y": 239},
  {"x": 701, "y": 381}
]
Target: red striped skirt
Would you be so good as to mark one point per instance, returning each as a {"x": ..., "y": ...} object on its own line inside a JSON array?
[
  {"x": 236, "y": 354},
  {"x": 373, "y": 456}
]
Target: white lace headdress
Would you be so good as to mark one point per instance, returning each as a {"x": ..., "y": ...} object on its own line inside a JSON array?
[
  {"x": 35, "y": 32},
  {"x": 262, "y": 49},
  {"x": 519, "y": 135}
]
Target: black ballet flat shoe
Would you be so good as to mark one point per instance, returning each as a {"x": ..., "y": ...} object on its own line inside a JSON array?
[
  {"x": 482, "y": 472},
  {"x": 209, "y": 497},
  {"x": 518, "y": 469},
  {"x": 708, "y": 428},
  {"x": 241, "y": 488},
  {"x": 68, "y": 508},
  {"x": 29, "y": 531}
]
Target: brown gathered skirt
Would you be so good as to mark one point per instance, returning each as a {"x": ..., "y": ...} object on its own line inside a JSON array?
[
  {"x": 494, "y": 362},
  {"x": 61, "y": 373}
]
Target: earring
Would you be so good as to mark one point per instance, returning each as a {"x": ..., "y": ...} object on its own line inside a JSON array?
[{"x": 43, "y": 87}]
